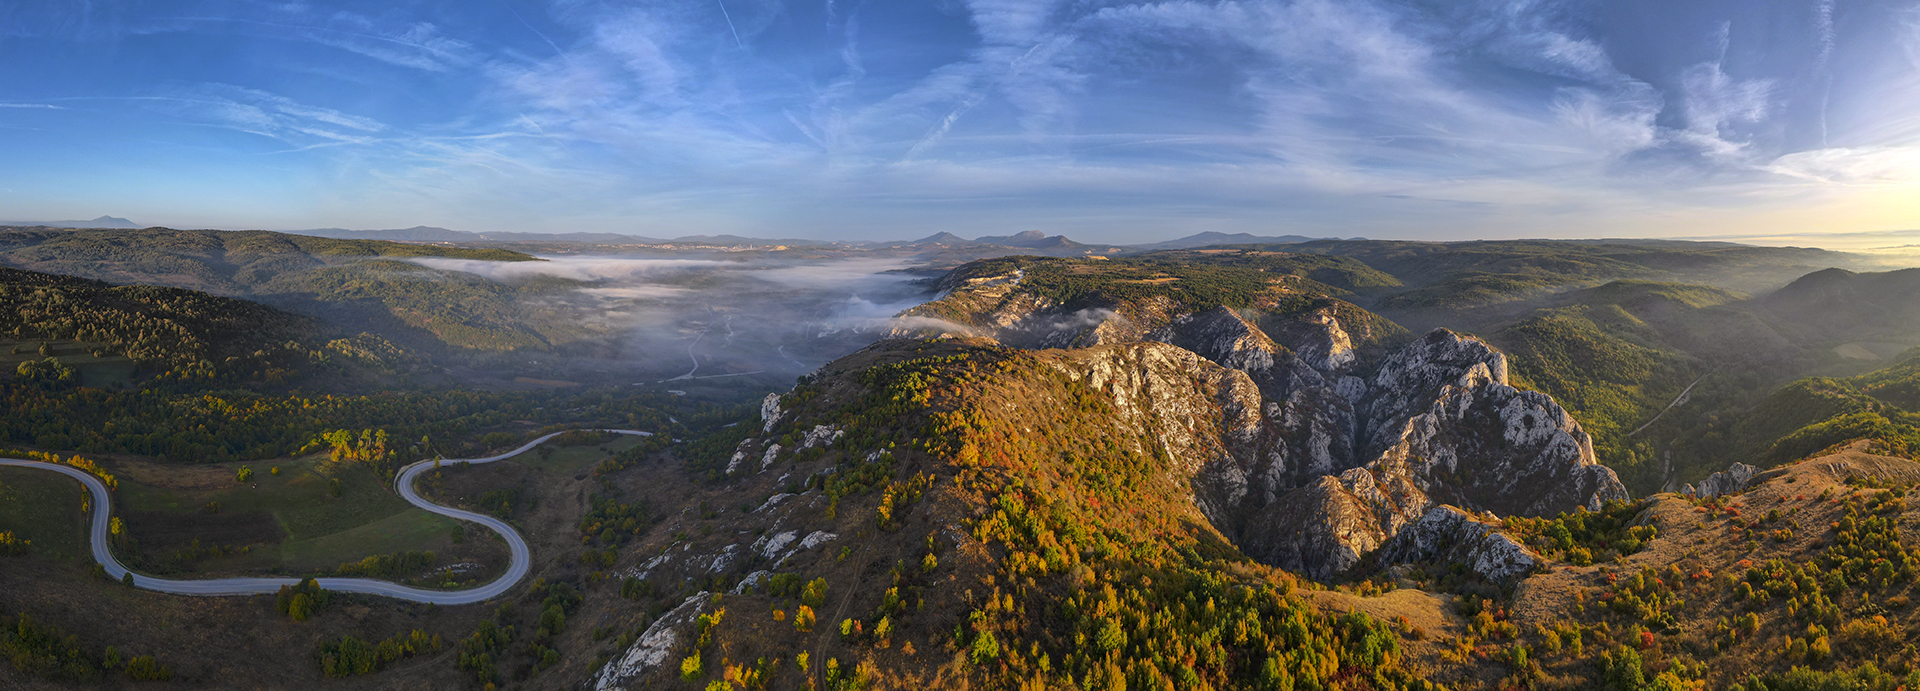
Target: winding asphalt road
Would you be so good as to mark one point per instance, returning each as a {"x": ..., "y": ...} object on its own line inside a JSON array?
[{"x": 403, "y": 483}]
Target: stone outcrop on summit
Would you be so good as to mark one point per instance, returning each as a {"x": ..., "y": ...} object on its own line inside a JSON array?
[
  {"x": 1346, "y": 464},
  {"x": 1322, "y": 434}
]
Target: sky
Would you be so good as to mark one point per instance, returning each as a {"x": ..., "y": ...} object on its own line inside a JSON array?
[{"x": 1106, "y": 120}]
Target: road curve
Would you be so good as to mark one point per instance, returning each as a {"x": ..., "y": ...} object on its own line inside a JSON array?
[{"x": 403, "y": 483}]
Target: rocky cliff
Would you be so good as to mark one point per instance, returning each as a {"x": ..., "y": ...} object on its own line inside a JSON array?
[
  {"x": 1334, "y": 431},
  {"x": 1336, "y": 464}
]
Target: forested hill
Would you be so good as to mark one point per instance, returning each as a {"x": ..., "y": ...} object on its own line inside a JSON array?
[
  {"x": 167, "y": 329},
  {"x": 1740, "y": 267},
  {"x": 364, "y": 285},
  {"x": 215, "y": 261}
]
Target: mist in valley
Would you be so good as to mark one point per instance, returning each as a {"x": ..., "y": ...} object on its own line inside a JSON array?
[{"x": 716, "y": 322}]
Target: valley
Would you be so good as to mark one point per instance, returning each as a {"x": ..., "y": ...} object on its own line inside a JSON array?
[
  {"x": 970, "y": 345},
  {"x": 1321, "y": 464}
]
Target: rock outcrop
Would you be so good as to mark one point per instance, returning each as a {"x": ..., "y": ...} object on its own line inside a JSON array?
[
  {"x": 649, "y": 655},
  {"x": 1342, "y": 464},
  {"x": 1735, "y": 478},
  {"x": 1306, "y": 434},
  {"x": 1313, "y": 469},
  {"x": 1448, "y": 535}
]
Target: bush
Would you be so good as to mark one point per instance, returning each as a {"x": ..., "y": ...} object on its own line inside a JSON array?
[
  {"x": 302, "y": 600},
  {"x": 145, "y": 668},
  {"x": 815, "y": 594},
  {"x": 985, "y": 648}
]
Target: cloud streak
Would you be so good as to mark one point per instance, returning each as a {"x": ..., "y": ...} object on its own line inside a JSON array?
[{"x": 1120, "y": 120}]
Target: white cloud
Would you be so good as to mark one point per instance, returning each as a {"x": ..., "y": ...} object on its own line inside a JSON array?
[
  {"x": 1853, "y": 166},
  {"x": 1614, "y": 125},
  {"x": 1714, "y": 103}
]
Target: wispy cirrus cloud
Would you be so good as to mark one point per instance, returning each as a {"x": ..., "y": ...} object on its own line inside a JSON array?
[
  {"x": 259, "y": 112},
  {"x": 1133, "y": 118},
  {"x": 419, "y": 45}
]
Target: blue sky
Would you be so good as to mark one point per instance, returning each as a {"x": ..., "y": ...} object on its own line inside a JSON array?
[{"x": 1106, "y": 120}]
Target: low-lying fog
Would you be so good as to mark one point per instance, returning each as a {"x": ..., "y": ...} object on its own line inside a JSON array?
[{"x": 678, "y": 321}]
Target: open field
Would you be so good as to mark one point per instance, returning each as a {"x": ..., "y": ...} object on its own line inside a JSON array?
[
  {"x": 298, "y": 498},
  {"x": 44, "y": 508},
  {"x": 103, "y": 371},
  {"x": 201, "y": 520},
  {"x": 554, "y": 459},
  {"x": 288, "y": 522}
]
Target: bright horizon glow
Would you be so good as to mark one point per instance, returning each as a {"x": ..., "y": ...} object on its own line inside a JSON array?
[{"x": 1108, "y": 121}]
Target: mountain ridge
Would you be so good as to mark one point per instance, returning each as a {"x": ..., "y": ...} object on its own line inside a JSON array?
[{"x": 101, "y": 222}]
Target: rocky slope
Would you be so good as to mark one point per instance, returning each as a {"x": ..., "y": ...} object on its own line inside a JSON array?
[
  {"x": 1029, "y": 515},
  {"x": 1343, "y": 433}
]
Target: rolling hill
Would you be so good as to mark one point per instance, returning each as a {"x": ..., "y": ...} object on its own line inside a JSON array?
[{"x": 362, "y": 283}]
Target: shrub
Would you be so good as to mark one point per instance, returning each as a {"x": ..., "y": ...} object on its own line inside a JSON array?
[
  {"x": 145, "y": 668},
  {"x": 985, "y": 647}
]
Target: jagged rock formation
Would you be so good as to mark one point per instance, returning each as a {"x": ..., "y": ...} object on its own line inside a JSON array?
[
  {"x": 1447, "y": 534},
  {"x": 1340, "y": 464},
  {"x": 1315, "y": 441},
  {"x": 1733, "y": 479}
]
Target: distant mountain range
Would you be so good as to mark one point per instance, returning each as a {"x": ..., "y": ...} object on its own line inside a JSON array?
[
  {"x": 434, "y": 234},
  {"x": 1032, "y": 239},
  {"x": 101, "y": 222},
  {"x": 1213, "y": 238}
]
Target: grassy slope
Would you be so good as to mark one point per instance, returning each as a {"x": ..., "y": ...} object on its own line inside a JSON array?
[{"x": 1682, "y": 603}]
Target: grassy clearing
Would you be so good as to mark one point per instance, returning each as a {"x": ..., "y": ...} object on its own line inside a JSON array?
[
  {"x": 321, "y": 531},
  {"x": 569, "y": 460},
  {"x": 410, "y": 530},
  {"x": 43, "y": 507},
  {"x": 99, "y": 372},
  {"x": 298, "y": 498}
]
